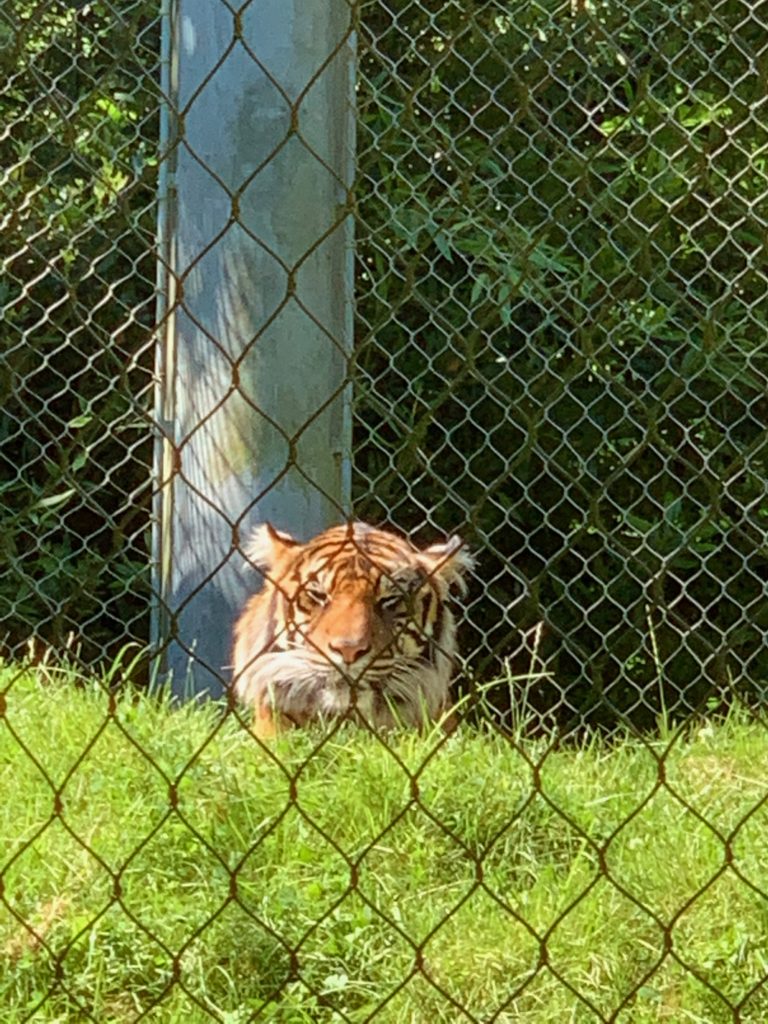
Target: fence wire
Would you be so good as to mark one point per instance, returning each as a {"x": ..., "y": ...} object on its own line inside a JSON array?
[{"x": 560, "y": 354}]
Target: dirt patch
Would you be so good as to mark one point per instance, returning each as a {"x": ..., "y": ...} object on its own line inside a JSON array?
[{"x": 31, "y": 938}]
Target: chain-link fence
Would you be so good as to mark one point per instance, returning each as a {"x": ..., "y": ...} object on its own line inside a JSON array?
[
  {"x": 562, "y": 221},
  {"x": 559, "y": 354}
]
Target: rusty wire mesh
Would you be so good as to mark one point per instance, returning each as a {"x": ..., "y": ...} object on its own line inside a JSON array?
[{"x": 560, "y": 353}]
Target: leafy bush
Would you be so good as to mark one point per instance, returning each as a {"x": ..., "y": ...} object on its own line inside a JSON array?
[
  {"x": 77, "y": 293},
  {"x": 561, "y": 221},
  {"x": 560, "y": 333}
]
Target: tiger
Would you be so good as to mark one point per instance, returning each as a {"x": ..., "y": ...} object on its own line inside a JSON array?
[{"x": 354, "y": 624}]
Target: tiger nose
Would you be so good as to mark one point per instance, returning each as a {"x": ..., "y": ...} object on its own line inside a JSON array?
[{"x": 351, "y": 650}]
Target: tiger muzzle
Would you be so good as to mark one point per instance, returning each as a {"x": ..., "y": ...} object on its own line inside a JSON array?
[
  {"x": 345, "y": 632},
  {"x": 350, "y": 649}
]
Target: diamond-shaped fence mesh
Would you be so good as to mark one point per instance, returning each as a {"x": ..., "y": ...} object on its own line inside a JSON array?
[{"x": 559, "y": 354}]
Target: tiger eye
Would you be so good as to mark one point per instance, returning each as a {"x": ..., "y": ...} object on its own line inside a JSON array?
[
  {"x": 391, "y": 601},
  {"x": 310, "y": 596}
]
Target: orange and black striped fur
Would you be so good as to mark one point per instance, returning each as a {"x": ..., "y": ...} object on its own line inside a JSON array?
[{"x": 354, "y": 624}]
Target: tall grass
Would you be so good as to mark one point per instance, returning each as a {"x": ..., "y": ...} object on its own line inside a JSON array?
[{"x": 158, "y": 864}]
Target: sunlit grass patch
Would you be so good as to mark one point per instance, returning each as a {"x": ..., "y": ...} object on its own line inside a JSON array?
[{"x": 156, "y": 859}]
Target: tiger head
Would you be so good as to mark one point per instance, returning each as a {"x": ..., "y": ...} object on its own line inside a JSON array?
[{"x": 355, "y": 623}]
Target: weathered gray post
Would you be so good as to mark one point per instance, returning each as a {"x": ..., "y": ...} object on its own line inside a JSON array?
[{"x": 256, "y": 317}]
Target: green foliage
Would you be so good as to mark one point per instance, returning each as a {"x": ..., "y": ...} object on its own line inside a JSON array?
[
  {"x": 159, "y": 861},
  {"x": 562, "y": 322},
  {"x": 77, "y": 291},
  {"x": 560, "y": 336}
]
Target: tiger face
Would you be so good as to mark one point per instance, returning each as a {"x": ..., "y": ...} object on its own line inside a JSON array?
[{"x": 355, "y": 623}]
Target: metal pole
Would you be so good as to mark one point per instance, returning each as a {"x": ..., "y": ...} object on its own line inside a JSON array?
[{"x": 256, "y": 415}]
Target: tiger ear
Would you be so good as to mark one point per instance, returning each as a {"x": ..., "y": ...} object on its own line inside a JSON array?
[
  {"x": 449, "y": 561},
  {"x": 267, "y": 546}
]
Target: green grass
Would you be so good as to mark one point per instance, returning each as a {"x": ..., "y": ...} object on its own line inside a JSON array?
[{"x": 159, "y": 862}]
